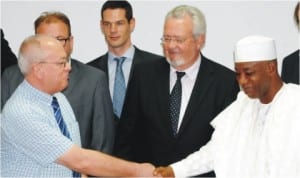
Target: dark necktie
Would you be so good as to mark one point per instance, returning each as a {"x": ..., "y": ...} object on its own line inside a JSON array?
[
  {"x": 119, "y": 87},
  {"x": 62, "y": 125},
  {"x": 175, "y": 102}
]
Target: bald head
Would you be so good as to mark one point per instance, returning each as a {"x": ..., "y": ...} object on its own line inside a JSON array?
[
  {"x": 35, "y": 49},
  {"x": 43, "y": 61}
]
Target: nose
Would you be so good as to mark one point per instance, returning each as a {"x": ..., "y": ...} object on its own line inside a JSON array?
[
  {"x": 68, "y": 66},
  {"x": 242, "y": 79},
  {"x": 113, "y": 27},
  {"x": 172, "y": 44}
]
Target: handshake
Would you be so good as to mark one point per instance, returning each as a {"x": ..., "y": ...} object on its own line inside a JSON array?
[{"x": 148, "y": 170}]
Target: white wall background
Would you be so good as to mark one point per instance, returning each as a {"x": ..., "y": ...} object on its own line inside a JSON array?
[{"x": 227, "y": 22}]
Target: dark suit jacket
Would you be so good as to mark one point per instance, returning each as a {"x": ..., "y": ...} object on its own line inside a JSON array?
[
  {"x": 145, "y": 133},
  {"x": 290, "y": 68},
  {"x": 8, "y": 58},
  {"x": 89, "y": 97},
  {"x": 139, "y": 57}
]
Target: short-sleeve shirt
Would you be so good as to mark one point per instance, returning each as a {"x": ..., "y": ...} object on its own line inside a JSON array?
[{"x": 31, "y": 140}]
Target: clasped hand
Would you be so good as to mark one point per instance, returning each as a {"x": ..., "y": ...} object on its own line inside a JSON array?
[{"x": 148, "y": 170}]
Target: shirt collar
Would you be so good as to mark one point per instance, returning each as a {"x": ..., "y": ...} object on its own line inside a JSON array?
[
  {"x": 34, "y": 92},
  {"x": 128, "y": 54}
]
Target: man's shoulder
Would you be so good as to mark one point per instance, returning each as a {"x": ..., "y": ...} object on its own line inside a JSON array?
[
  {"x": 292, "y": 88},
  {"x": 85, "y": 69},
  {"x": 13, "y": 74},
  {"x": 19, "y": 98},
  {"x": 146, "y": 54},
  {"x": 289, "y": 93},
  {"x": 12, "y": 69},
  {"x": 95, "y": 62},
  {"x": 292, "y": 57},
  {"x": 219, "y": 68}
]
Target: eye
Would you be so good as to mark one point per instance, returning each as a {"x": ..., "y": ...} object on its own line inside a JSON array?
[
  {"x": 249, "y": 73},
  {"x": 106, "y": 24},
  {"x": 63, "y": 64},
  {"x": 166, "y": 39},
  {"x": 119, "y": 23},
  {"x": 180, "y": 40}
]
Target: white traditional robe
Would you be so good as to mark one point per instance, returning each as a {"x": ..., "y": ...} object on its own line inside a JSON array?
[{"x": 252, "y": 140}]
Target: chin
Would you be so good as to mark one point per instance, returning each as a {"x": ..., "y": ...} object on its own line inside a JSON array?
[
  {"x": 65, "y": 86},
  {"x": 250, "y": 95},
  {"x": 175, "y": 62}
]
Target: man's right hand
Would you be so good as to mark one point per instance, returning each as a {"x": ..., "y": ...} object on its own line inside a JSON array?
[{"x": 163, "y": 172}]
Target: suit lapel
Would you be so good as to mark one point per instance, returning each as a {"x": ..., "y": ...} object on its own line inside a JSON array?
[
  {"x": 136, "y": 58},
  {"x": 202, "y": 84},
  {"x": 103, "y": 64},
  {"x": 162, "y": 92}
]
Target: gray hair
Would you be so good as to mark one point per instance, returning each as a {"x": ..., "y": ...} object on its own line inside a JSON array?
[
  {"x": 198, "y": 18},
  {"x": 31, "y": 51}
]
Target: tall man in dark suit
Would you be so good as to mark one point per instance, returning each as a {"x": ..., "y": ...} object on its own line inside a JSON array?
[
  {"x": 117, "y": 24},
  {"x": 290, "y": 65},
  {"x": 87, "y": 91},
  {"x": 171, "y": 102}
]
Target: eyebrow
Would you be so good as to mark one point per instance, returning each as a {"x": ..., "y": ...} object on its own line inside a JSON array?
[
  {"x": 60, "y": 37},
  {"x": 121, "y": 20}
]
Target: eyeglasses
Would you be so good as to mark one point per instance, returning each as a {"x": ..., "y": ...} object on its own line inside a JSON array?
[
  {"x": 63, "y": 63},
  {"x": 169, "y": 39},
  {"x": 63, "y": 41}
]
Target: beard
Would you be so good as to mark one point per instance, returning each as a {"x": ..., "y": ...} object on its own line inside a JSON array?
[{"x": 175, "y": 62}]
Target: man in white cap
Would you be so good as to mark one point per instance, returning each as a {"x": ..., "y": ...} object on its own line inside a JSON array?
[{"x": 258, "y": 135}]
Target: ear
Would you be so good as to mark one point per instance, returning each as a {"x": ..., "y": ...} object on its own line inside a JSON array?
[
  {"x": 101, "y": 26},
  {"x": 201, "y": 41},
  {"x": 38, "y": 70},
  {"x": 132, "y": 24},
  {"x": 271, "y": 67},
  {"x": 71, "y": 40}
]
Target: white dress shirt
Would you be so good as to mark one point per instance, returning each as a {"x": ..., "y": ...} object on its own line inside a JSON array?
[{"x": 187, "y": 82}]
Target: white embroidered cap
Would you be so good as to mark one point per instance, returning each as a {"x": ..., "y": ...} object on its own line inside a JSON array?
[{"x": 255, "y": 48}]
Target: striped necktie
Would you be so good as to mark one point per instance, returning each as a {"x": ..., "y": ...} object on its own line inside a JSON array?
[{"x": 62, "y": 125}]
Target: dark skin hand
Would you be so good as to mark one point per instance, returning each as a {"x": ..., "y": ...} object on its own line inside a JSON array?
[{"x": 164, "y": 172}]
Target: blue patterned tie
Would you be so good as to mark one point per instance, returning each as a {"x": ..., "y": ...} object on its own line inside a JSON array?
[
  {"x": 119, "y": 87},
  {"x": 175, "y": 102},
  {"x": 62, "y": 125}
]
